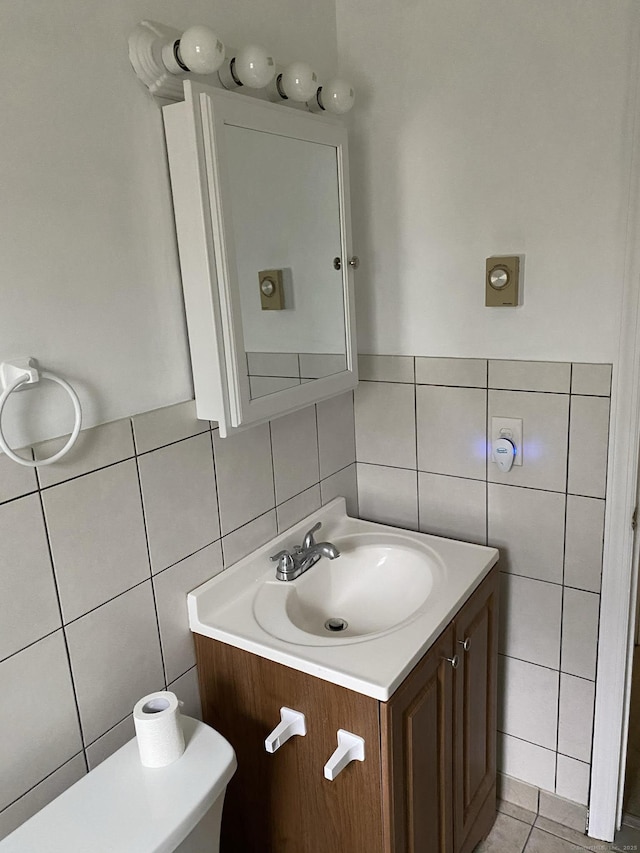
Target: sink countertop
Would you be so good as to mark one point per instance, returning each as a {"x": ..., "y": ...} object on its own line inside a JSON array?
[{"x": 374, "y": 665}]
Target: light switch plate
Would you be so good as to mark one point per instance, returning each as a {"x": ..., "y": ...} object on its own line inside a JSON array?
[
  {"x": 513, "y": 433},
  {"x": 502, "y": 281},
  {"x": 271, "y": 288}
]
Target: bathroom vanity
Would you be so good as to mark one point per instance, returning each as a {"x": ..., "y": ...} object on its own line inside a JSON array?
[{"x": 421, "y": 692}]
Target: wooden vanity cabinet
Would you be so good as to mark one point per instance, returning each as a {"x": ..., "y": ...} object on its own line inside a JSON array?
[{"x": 427, "y": 784}]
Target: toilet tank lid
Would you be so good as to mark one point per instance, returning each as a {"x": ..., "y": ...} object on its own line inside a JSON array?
[{"x": 122, "y": 807}]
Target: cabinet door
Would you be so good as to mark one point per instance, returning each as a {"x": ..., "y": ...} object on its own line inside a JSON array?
[
  {"x": 281, "y": 802},
  {"x": 475, "y": 691},
  {"x": 417, "y": 756}
]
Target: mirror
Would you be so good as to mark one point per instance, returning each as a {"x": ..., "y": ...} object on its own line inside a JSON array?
[
  {"x": 262, "y": 214},
  {"x": 286, "y": 233}
]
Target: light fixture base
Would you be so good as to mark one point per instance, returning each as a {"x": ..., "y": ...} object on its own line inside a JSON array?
[{"x": 145, "y": 54}]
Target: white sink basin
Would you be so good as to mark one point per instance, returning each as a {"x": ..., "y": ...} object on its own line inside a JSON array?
[
  {"x": 396, "y": 590},
  {"x": 378, "y": 583}
]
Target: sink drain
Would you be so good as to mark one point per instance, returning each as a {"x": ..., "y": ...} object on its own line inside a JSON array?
[{"x": 336, "y": 624}]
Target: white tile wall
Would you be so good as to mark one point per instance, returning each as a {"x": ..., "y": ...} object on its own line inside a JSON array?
[
  {"x": 291, "y": 511},
  {"x": 336, "y": 434},
  {"x": 588, "y": 446},
  {"x": 244, "y": 472},
  {"x": 465, "y": 372},
  {"x": 544, "y": 438},
  {"x": 121, "y": 636},
  {"x": 95, "y": 448},
  {"x": 530, "y": 376},
  {"x": 28, "y": 603},
  {"x": 591, "y": 379},
  {"x": 97, "y": 537},
  {"x": 451, "y": 429},
  {"x": 37, "y": 736},
  {"x": 530, "y": 707},
  {"x": 15, "y": 480},
  {"x": 575, "y": 725},
  {"x": 42, "y": 794},
  {"x": 580, "y": 632},
  {"x": 516, "y": 517},
  {"x": 342, "y": 484},
  {"x": 527, "y": 761},
  {"x": 164, "y": 426},
  {"x": 386, "y": 424},
  {"x": 250, "y": 536},
  {"x": 531, "y": 613},
  {"x": 546, "y": 518},
  {"x": 572, "y": 779},
  {"x": 171, "y": 587},
  {"x": 180, "y": 500},
  {"x": 388, "y": 495},
  {"x": 125, "y": 630},
  {"x": 294, "y": 442},
  {"x": 441, "y": 499},
  {"x": 584, "y": 543},
  {"x": 386, "y": 368},
  {"x": 82, "y": 662}
]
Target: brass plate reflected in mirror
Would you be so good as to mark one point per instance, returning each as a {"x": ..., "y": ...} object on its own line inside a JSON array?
[{"x": 271, "y": 290}]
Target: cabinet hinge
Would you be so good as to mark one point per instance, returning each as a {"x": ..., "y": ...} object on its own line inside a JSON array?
[
  {"x": 634, "y": 519},
  {"x": 586, "y": 820}
]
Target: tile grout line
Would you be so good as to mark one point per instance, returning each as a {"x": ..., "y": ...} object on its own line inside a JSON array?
[
  {"x": 153, "y": 588},
  {"x": 486, "y": 465},
  {"x": 215, "y": 489},
  {"x": 564, "y": 555},
  {"x": 550, "y": 668},
  {"x": 415, "y": 441},
  {"x": 63, "y": 629},
  {"x": 81, "y": 752}
]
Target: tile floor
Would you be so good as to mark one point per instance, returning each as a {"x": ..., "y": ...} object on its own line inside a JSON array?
[{"x": 517, "y": 830}]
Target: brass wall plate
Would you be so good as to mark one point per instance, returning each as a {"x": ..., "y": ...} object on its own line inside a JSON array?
[
  {"x": 502, "y": 281},
  {"x": 271, "y": 290}
]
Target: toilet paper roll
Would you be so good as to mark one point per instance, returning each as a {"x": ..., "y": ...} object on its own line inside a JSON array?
[{"x": 159, "y": 729}]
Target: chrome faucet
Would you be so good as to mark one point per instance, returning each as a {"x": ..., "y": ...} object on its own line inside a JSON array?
[{"x": 292, "y": 564}]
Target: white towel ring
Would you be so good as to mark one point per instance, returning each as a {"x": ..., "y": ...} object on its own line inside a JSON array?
[{"x": 28, "y": 378}]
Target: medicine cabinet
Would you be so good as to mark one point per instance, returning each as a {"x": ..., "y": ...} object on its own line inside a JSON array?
[{"x": 261, "y": 201}]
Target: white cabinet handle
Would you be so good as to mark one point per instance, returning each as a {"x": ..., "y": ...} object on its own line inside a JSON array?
[
  {"x": 350, "y": 748},
  {"x": 291, "y": 723}
]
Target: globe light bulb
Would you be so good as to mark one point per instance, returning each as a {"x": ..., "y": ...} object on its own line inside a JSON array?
[
  {"x": 337, "y": 96},
  {"x": 298, "y": 82},
  {"x": 252, "y": 67},
  {"x": 201, "y": 50}
]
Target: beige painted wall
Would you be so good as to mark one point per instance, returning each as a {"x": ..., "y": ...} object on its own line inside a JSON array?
[
  {"x": 489, "y": 127},
  {"x": 89, "y": 275}
]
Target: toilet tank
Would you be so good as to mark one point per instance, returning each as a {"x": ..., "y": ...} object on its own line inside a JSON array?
[{"x": 123, "y": 807}]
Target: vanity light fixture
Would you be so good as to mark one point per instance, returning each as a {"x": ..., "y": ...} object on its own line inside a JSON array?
[
  {"x": 336, "y": 97},
  {"x": 164, "y": 57},
  {"x": 252, "y": 66}
]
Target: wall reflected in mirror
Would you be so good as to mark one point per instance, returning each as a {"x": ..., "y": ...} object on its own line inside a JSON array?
[
  {"x": 286, "y": 221},
  {"x": 270, "y": 372}
]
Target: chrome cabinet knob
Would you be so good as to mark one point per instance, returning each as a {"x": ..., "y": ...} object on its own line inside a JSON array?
[
  {"x": 454, "y": 661},
  {"x": 466, "y": 644},
  {"x": 354, "y": 262}
]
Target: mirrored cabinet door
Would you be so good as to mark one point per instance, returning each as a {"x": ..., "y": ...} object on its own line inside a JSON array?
[{"x": 262, "y": 214}]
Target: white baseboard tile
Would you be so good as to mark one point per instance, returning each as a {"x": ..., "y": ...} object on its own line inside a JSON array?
[
  {"x": 527, "y": 761},
  {"x": 518, "y": 793},
  {"x": 562, "y": 811},
  {"x": 545, "y": 804}
]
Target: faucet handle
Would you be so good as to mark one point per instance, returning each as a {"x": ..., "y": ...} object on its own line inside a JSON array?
[
  {"x": 283, "y": 557},
  {"x": 308, "y": 540}
]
